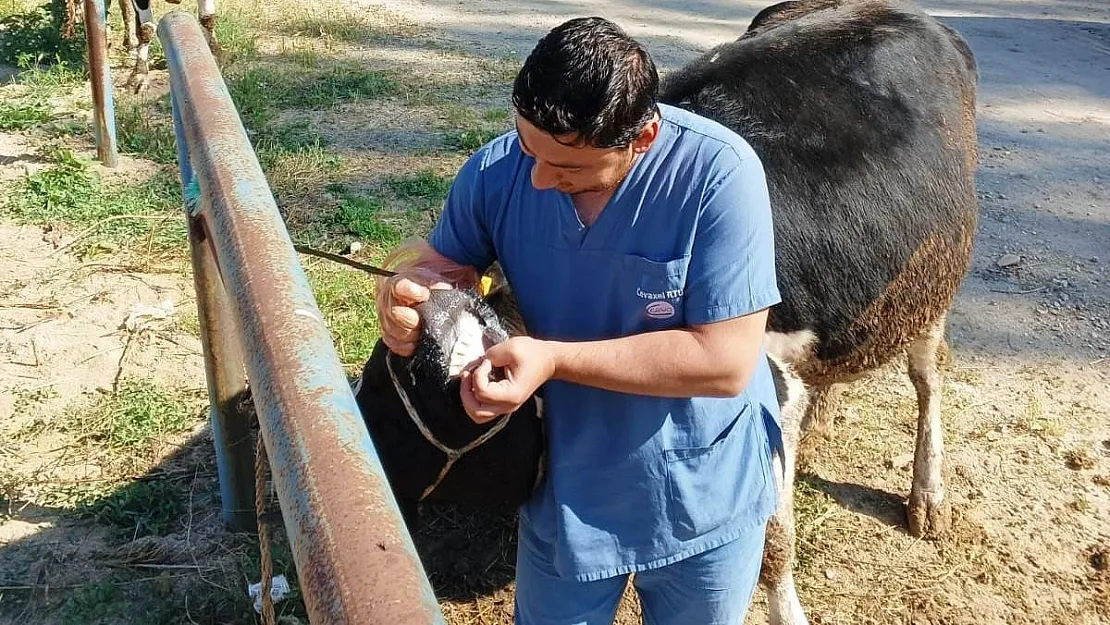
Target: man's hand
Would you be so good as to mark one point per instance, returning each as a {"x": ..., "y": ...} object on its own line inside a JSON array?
[
  {"x": 525, "y": 364},
  {"x": 400, "y": 322}
]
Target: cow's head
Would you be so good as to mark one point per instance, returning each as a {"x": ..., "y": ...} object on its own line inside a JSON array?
[{"x": 399, "y": 397}]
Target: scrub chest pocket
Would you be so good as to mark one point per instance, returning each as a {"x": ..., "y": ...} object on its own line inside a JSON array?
[{"x": 653, "y": 292}]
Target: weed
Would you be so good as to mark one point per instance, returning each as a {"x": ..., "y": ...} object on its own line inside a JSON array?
[
  {"x": 367, "y": 24},
  {"x": 136, "y": 418},
  {"x": 296, "y": 176},
  {"x": 346, "y": 298},
  {"x": 426, "y": 185},
  {"x": 260, "y": 91},
  {"x": 23, "y": 114},
  {"x": 343, "y": 82},
  {"x": 38, "y": 31},
  {"x": 361, "y": 217},
  {"x": 49, "y": 78},
  {"x": 309, "y": 58},
  {"x": 143, "y": 134},
  {"x": 469, "y": 141},
  {"x": 497, "y": 115},
  {"x": 89, "y": 604},
  {"x": 142, "y": 508},
  {"x": 69, "y": 192},
  {"x": 254, "y": 91},
  {"x": 25, "y": 400}
]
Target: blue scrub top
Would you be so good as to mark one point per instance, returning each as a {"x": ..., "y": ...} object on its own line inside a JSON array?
[{"x": 635, "y": 482}]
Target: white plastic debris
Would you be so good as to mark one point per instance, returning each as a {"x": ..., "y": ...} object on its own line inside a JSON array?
[
  {"x": 143, "y": 315},
  {"x": 279, "y": 587}
]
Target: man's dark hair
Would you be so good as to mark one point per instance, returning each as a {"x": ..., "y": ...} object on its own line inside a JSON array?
[{"x": 588, "y": 77}]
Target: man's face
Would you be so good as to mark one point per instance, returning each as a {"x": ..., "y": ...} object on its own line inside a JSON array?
[{"x": 572, "y": 168}]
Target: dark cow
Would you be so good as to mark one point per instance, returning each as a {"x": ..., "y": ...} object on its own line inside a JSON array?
[{"x": 863, "y": 114}]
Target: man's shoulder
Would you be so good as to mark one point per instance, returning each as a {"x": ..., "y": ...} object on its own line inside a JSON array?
[
  {"x": 502, "y": 150},
  {"x": 704, "y": 136}
]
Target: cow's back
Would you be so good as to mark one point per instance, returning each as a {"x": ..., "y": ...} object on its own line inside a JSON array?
[{"x": 863, "y": 116}]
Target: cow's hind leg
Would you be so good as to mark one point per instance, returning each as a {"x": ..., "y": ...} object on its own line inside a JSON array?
[
  {"x": 140, "y": 73},
  {"x": 206, "y": 12},
  {"x": 928, "y": 512},
  {"x": 777, "y": 574}
]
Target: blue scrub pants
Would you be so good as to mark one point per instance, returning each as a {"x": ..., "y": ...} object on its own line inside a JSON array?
[{"x": 711, "y": 588}]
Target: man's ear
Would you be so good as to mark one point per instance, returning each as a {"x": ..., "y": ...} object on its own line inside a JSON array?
[{"x": 647, "y": 136}]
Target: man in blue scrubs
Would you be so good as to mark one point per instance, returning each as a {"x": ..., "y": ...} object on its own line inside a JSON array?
[{"x": 637, "y": 238}]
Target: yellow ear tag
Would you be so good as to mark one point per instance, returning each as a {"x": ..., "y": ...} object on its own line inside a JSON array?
[{"x": 484, "y": 285}]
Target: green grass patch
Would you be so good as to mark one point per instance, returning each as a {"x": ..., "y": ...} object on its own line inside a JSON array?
[
  {"x": 308, "y": 58},
  {"x": 70, "y": 192},
  {"x": 347, "y": 28},
  {"x": 470, "y": 140},
  {"x": 123, "y": 598},
  {"x": 368, "y": 24},
  {"x": 137, "y": 418},
  {"x": 497, "y": 116},
  {"x": 145, "y": 134},
  {"x": 361, "y": 216},
  {"x": 147, "y": 507},
  {"x": 346, "y": 297},
  {"x": 809, "y": 504},
  {"x": 425, "y": 185},
  {"x": 298, "y": 173},
  {"x": 23, "y": 114},
  {"x": 37, "y": 32},
  {"x": 237, "y": 33},
  {"x": 344, "y": 82},
  {"x": 260, "y": 92}
]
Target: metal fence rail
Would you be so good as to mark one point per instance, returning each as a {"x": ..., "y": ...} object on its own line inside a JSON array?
[{"x": 355, "y": 560}]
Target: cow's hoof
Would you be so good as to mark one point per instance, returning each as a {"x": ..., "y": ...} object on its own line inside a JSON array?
[{"x": 928, "y": 513}]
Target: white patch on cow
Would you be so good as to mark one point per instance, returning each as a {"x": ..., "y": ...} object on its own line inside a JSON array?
[
  {"x": 790, "y": 347},
  {"x": 660, "y": 310},
  {"x": 207, "y": 7},
  {"x": 469, "y": 344}
]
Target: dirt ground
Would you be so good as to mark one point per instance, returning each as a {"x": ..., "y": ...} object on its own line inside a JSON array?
[{"x": 1026, "y": 401}]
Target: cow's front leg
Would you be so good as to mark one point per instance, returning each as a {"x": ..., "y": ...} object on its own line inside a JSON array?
[{"x": 130, "y": 24}]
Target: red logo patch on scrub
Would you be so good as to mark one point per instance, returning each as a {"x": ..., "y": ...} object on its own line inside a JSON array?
[{"x": 660, "y": 310}]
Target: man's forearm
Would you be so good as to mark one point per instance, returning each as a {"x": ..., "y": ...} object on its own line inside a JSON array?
[{"x": 668, "y": 363}]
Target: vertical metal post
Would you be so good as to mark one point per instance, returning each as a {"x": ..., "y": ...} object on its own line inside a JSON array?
[
  {"x": 224, "y": 366},
  {"x": 226, "y": 377},
  {"x": 100, "y": 77}
]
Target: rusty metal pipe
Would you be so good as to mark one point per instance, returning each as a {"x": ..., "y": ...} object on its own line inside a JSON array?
[
  {"x": 100, "y": 79},
  {"x": 355, "y": 560}
]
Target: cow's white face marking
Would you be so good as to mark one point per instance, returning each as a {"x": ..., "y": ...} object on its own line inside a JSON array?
[
  {"x": 207, "y": 7},
  {"x": 792, "y": 347},
  {"x": 470, "y": 344}
]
